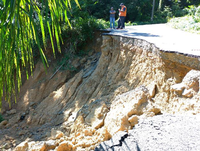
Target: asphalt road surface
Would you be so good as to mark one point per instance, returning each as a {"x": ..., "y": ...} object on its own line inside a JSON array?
[
  {"x": 158, "y": 133},
  {"x": 164, "y": 37}
]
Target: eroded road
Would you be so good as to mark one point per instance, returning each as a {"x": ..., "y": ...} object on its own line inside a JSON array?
[{"x": 164, "y": 37}]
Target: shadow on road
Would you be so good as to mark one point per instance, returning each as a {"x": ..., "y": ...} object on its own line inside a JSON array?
[{"x": 130, "y": 33}]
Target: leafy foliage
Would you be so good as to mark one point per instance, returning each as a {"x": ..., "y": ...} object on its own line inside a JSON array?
[
  {"x": 139, "y": 10},
  {"x": 83, "y": 28},
  {"x": 1, "y": 118},
  {"x": 20, "y": 22},
  {"x": 190, "y": 22}
]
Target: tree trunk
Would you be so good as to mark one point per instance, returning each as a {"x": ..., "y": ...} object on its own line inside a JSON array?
[
  {"x": 152, "y": 13},
  {"x": 160, "y": 5}
]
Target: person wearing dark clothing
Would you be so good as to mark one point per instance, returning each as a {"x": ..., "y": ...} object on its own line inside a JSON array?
[{"x": 122, "y": 16}]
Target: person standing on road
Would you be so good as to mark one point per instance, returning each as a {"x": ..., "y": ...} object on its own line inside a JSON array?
[
  {"x": 112, "y": 18},
  {"x": 122, "y": 16}
]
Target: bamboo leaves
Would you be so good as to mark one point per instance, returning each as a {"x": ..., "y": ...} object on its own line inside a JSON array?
[{"x": 20, "y": 23}]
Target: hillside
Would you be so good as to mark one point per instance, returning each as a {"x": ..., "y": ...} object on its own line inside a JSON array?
[{"x": 124, "y": 81}]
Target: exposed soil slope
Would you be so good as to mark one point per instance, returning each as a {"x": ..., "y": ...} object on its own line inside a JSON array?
[{"x": 131, "y": 80}]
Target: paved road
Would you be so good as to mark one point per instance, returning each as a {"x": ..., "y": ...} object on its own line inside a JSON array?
[
  {"x": 158, "y": 133},
  {"x": 164, "y": 37}
]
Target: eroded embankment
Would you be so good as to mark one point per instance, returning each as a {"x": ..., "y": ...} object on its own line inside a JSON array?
[{"x": 132, "y": 79}]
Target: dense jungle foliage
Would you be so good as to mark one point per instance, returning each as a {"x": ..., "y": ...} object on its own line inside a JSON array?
[
  {"x": 26, "y": 26},
  {"x": 138, "y": 10}
]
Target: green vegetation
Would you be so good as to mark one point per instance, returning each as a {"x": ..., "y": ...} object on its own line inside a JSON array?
[
  {"x": 22, "y": 23},
  {"x": 81, "y": 31},
  {"x": 26, "y": 27},
  {"x": 179, "y": 14},
  {"x": 64, "y": 63},
  {"x": 190, "y": 22},
  {"x": 139, "y": 10},
  {"x": 77, "y": 36},
  {"x": 1, "y": 118}
]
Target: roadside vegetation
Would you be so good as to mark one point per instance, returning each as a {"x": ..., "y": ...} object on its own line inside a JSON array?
[{"x": 189, "y": 22}]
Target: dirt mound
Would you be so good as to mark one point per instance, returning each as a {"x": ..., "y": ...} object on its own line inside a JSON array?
[{"x": 130, "y": 81}]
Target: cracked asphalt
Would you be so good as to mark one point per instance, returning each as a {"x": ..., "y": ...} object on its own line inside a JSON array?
[{"x": 158, "y": 133}]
